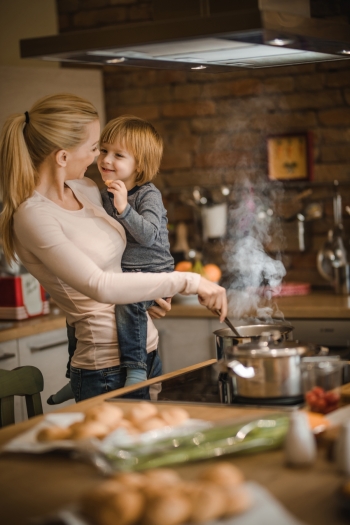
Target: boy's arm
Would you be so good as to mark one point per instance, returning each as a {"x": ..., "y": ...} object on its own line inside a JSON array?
[{"x": 145, "y": 223}]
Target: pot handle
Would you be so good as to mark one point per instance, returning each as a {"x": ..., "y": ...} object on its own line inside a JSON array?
[{"x": 246, "y": 372}]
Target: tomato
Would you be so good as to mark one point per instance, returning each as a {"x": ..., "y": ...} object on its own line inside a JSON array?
[
  {"x": 311, "y": 399},
  {"x": 318, "y": 391},
  {"x": 332, "y": 398}
]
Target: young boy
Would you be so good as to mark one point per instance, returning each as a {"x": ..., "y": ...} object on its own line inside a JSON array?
[{"x": 130, "y": 156}]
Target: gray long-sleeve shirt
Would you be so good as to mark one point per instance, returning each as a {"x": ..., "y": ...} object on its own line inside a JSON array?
[{"x": 145, "y": 222}]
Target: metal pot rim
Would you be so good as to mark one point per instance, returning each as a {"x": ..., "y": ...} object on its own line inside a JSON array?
[{"x": 254, "y": 330}]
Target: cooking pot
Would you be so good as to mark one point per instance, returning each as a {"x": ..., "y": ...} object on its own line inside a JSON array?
[
  {"x": 268, "y": 368},
  {"x": 226, "y": 339}
]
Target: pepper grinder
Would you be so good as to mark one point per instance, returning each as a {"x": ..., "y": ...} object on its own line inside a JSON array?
[
  {"x": 300, "y": 444},
  {"x": 342, "y": 449}
]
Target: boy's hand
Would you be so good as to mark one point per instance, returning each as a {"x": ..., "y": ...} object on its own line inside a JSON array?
[
  {"x": 157, "y": 312},
  {"x": 118, "y": 188}
]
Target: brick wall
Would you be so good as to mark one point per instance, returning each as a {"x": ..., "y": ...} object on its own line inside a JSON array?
[{"x": 215, "y": 126}]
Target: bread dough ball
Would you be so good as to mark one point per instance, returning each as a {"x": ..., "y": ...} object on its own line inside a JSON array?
[
  {"x": 128, "y": 426},
  {"x": 105, "y": 413},
  {"x": 174, "y": 416},
  {"x": 113, "y": 503},
  {"x": 151, "y": 424},
  {"x": 162, "y": 476},
  {"x": 168, "y": 508},
  {"x": 208, "y": 502},
  {"x": 89, "y": 429},
  {"x": 238, "y": 499},
  {"x": 223, "y": 473},
  {"x": 142, "y": 412},
  {"x": 131, "y": 479},
  {"x": 53, "y": 434}
]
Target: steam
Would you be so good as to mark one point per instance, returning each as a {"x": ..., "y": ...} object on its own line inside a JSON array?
[{"x": 255, "y": 276}]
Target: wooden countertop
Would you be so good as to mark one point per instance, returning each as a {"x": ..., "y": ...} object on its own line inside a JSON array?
[
  {"x": 35, "y": 485},
  {"x": 317, "y": 305}
]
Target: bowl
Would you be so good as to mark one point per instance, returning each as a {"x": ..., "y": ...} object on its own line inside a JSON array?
[{"x": 321, "y": 381}]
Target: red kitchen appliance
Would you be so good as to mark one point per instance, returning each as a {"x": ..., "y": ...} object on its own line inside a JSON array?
[{"x": 22, "y": 297}]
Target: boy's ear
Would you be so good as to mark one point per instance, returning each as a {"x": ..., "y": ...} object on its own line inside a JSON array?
[{"x": 61, "y": 158}]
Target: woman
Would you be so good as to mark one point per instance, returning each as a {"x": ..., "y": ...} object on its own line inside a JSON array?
[{"x": 53, "y": 220}]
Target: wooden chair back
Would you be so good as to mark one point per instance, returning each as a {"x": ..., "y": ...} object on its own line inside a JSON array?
[{"x": 25, "y": 381}]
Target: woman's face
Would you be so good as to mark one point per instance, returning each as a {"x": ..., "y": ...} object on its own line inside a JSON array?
[{"x": 80, "y": 158}]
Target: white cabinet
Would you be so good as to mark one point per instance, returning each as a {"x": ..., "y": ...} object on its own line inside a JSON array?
[
  {"x": 9, "y": 360},
  {"x": 184, "y": 342},
  {"x": 48, "y": 352}
]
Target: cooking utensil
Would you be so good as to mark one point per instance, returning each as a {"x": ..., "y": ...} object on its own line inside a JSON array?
[
  {"x": 276, "y": 368},
  {"x": 229, "y": 324}
]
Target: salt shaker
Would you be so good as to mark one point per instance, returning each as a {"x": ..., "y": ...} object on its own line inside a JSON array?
[
  {"x": 342, "y": 449},
  {"x": 300, "y": 443}
]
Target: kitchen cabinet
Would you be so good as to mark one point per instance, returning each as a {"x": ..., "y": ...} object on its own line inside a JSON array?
[
  {"x": 47, "y": 351},
  {"x": 9, "y": 359},
  {"x": 185, "y": 342}
]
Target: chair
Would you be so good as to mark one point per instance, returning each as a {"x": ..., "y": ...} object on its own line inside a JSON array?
[{"x": 25, "y": 381}]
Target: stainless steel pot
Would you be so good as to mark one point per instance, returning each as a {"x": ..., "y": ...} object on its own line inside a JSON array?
[
  {"x": 268, "y": 369},
  {"x": 226, "y": 339}
]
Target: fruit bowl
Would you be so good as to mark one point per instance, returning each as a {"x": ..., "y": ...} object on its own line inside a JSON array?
[{"x": 321, "y": 380}]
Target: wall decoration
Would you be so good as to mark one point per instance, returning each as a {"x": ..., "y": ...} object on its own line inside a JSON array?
[{"x": 290, "y": 157}]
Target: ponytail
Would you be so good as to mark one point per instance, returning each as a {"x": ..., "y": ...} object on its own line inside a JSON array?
[{"x": 55, "y": 122}]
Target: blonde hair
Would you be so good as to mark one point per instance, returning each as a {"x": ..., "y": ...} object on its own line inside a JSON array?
[
  {"x": 141, "y": 139},
  {"x": 55, "y": 122}
]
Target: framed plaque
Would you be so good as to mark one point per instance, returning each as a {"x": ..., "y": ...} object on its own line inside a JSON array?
[{"x": 290, "y": 157}]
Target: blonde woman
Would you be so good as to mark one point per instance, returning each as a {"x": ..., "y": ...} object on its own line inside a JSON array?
[{"x": 54, "y": 221}]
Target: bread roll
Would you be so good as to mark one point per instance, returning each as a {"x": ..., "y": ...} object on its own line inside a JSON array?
[
  {"x": 105, "y": 413},
  {"x": 113, "y": 503},
  {"x": 108, "y": 182},
  {"x": 141, "y": 412},
  {"x": 208, "y": 502},
  {"x": 53, "y": 434},
  {"x": 151, "y": 424},
  {"x": 167, "y": 509},
  {"x": 131, "y": 479},
  {"x": 223, "y": 473},
  {"x": 162, "y": 476},
  {"x": 174, "y": 416},
  {"x": 89, "y": 429},
  {"x": 238, "y": 499}
]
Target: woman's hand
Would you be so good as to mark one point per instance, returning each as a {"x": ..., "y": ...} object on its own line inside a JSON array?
[
  {"x": 213, "y": 297},
  {"x": 157, "y": 312}
]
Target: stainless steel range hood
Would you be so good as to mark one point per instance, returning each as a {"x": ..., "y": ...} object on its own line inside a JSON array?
[{"x": 213, "y": 35}]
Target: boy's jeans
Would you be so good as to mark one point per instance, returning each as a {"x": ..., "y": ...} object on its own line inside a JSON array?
[{"x": 132, "y": 333}]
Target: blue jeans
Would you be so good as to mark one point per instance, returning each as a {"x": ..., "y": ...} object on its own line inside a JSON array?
[
  {"x": 91, "y": 383},
  {"x": 132, "y": 333}
]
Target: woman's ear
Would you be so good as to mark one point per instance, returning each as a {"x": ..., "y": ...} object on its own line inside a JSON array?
[{"x": 61, "y": 158}]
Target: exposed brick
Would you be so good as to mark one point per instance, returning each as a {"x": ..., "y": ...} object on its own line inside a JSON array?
[
  {"x": 188, "y": 91},
  {"x": 241, "y": 87},
  {"x": 219, "y": 159},
  {"x": 93, "y": 4},
  {"x": 314, "y": 82},
  {"x": 193, "y": 177},
  {"x": 283, "y": 122},
  {"x": 279, "y": 84},
  {"x": 187, "y": 109},
  {"x": 335, "y": 135},
  {"x": 146, "y": 111},
  {"x": 158, "y": 94},
  {"x": 336, "y": 153},
  {"x": 67, "y": 6},
  {"x": 234, "y": 108},
  {"x": 322, "y": 99},
  {"x": 64, "y": 22},
  {"x": 141, "y": 12},
  {"x": 335, "y": 117},
  {"x": 331, "y": 172},
  {"x": 102, "y": 17},
  {"x": 122, "y": 2},
  {"x": 338, "y": 79},
  {"x": 347, "y": 96},
  {"x": 176, "y": 160}
]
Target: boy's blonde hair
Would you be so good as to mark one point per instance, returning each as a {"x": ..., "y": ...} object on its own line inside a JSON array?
[
  {"x": 54, "y": 122},
  {"x": 141, "y": 139}
]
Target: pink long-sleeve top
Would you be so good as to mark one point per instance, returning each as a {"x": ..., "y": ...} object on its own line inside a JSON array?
[{"x": 76, "y": 256}]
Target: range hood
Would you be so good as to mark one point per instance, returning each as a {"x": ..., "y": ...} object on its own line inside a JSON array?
[{"x": 211, "y": 35}]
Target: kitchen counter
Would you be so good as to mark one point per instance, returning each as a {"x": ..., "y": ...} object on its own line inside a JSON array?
[
  {"x": 317, "y": 305},
  {"x": 309, "y": 494}
]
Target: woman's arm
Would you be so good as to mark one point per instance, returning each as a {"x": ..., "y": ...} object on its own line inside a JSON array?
[{"x": 42, "y": 236}]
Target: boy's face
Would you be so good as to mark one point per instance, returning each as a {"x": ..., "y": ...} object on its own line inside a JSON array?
[{"x": 115, "y": 162}]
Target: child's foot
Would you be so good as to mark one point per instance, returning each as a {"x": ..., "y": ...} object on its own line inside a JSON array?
[{"x": 50, "y": 401}]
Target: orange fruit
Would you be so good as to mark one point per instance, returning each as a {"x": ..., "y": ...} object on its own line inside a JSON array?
[
  {"x": 212, "y": 272},
  {"x": 183, "y": 266}
]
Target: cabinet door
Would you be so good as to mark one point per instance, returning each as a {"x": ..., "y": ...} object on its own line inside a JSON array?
[
  {"x": 184, "y": 342},
  {"x": 8, "y": 361},
  {"x": 48, "y": 352}
]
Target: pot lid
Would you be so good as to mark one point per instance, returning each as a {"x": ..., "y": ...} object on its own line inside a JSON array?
[
  {"x": 272, "y": 349},
  {"x": 254, "y": 330}
]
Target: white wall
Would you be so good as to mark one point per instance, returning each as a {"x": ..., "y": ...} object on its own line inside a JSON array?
[{"x": 25, "y": 19}]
